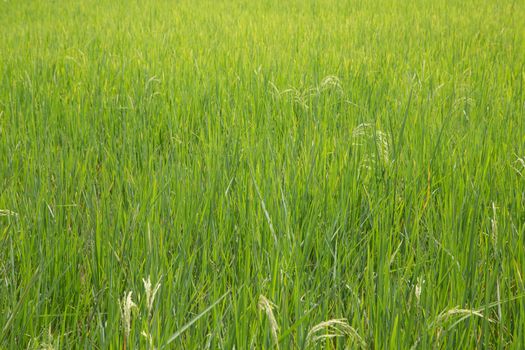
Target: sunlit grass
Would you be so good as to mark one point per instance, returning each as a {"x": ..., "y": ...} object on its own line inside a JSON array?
[{"x": 262, "y": 174}]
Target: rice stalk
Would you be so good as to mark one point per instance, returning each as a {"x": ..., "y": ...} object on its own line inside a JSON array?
[
  {"x": 334, "y": 328},
  {"x": 267, "y": 307}
]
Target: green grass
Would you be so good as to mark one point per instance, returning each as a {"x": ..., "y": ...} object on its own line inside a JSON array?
[{"x": 358, "y": 159}]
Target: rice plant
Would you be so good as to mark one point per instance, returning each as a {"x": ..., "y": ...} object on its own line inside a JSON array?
[{"x": 236, "y": 174}]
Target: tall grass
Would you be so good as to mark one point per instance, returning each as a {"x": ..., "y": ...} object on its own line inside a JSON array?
[{"x": 358, "y": 164}]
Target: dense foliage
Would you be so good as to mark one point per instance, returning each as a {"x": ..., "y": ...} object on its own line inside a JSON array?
[{"x": 272, "y": 164}]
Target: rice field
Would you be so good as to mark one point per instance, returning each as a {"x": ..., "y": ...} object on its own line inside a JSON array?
[{"x": 294, "y": 174}]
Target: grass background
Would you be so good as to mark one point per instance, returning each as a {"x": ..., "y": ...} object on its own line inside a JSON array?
[{"x": 333, "y": 156}]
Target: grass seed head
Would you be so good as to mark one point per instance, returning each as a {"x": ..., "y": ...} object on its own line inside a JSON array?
[
  {"x": 7, "y": 212},
  {"x": 126, "y": 305},
  {"x": 331, "y": 329},
  {"x": 419, "y": 288},
  {"x": 149, "y": 338},
  {"x": 267, "y": 307},
  {"x": 150, "y": 293}
]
